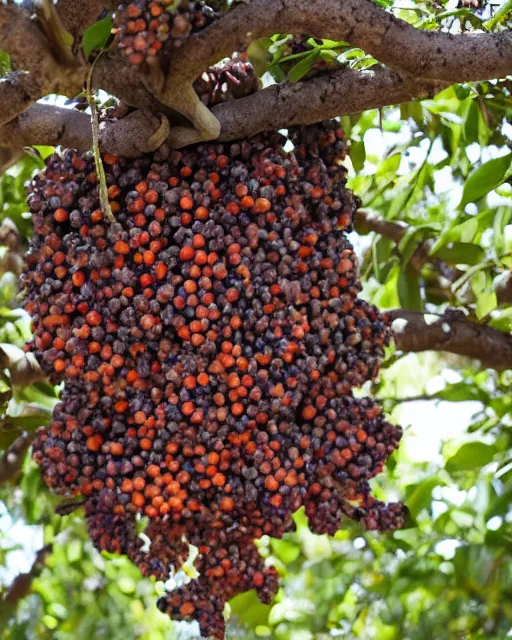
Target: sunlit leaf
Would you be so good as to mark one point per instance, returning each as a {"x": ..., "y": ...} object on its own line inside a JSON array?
[
  {"x": 472, "y": 455},
  {"x": 303, "y": 67},
  {"x": 97, "y": 36},
  {"x": 486, "y": 178}
]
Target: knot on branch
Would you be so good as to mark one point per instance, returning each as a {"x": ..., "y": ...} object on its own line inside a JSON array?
[{"x": 138, "y": 133}]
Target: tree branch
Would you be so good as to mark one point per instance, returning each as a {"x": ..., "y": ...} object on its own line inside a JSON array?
[
  {"x": 422, "y": 54},
  {"x": 12, "y": 459},
  {"x": 335, "y": 93},
  {"x": 48, "y": 125},
  {"x": 22, "y": 584},
  {"x": 414, "y": 331},
  {"x": 399, "y": 45},
  {"x": 9, "y": 157},
  {"x": 78, "y": 15},
  {"x": 331, "y": 94},
  {"x": 45, "y": 124},
  {"x": 395, "y": 231},
  {"x": 503, "y": 287},
  {"x": 38, "y": 72}
]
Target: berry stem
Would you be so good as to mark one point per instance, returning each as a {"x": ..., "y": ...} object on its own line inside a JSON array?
[{"x": 103, "y": 191}]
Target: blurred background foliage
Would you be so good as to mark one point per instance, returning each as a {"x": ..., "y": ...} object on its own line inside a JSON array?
[{"x": 438, "y": 174}]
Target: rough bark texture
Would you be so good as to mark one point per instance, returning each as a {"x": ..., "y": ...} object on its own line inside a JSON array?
[
  {"x": 414, "y": 331},
  {"x": 12, "y": 459},
  {"x": 329, "y": 95},
  {"x": 78, "y": 15},
  {"x": 279, "y": 106},
  {"x": 425, "y": 54}
]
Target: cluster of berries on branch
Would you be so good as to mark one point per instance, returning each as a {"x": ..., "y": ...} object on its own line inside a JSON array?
[
  {"x": 209, "y": 341},
  {"x": 148, "y": 27}
]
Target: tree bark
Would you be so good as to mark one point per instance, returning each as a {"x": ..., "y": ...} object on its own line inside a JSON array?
[{"x": 414, "y": 331}]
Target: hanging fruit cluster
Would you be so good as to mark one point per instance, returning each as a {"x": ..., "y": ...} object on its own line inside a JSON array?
[
  {"x": 147, "y": 27},
  {"x": 209, "y": 341},
  {"x": 235, "y": 78}
]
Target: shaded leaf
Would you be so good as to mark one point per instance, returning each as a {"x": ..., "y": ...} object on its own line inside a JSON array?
[{"x": 421, "y": 496}]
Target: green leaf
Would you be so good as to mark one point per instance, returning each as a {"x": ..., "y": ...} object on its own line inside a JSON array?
[
  {"x": 485, "y": 179},
  {"x": 249, "y": 609},
  {"x": 500, "y": 504},
  {"x": 472, "y": 455},
  {"x": 386, "y": 171},
  {"x": 466, "y": 276},
  {"x": 259, "y": 56},
  {"x": 461, "y": 392},
  {"x": 470, "y": 230},
  {"x": 303, "y": 67},
  {"x": 358, "y": 155},
  {"x": 461, "y": 253},
  {"x": 421, "y": 495},
  {"x": 387, "y": 295},
  {"x": 486, "y": 299},
  {"x": 96, "y": 36},
  {"x": 5, "y": 63},
  {"x": 485, "y": 303},
  {"x": 409, "y": 292},
  {"x": 501, "y": 220},
  {"x": 462, "y": 91},
  {"x": 286, "y": 550},
  {"x": 502, "y": 320}
]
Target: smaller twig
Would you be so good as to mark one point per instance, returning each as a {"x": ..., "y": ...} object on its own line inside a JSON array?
[
  {"x": 22, "y": 585},
  {"x": 9, "y": 157},
  {"x": 12, "y": 459},
  {"x": 499, "y": 16},
  {"x": 421, "y": 398},
  {"x": 60, "y": 40},
  {"x": 100, "y": 170},
  {"x": 395, "y": 231},
  {"x": 66, "y": 508}
]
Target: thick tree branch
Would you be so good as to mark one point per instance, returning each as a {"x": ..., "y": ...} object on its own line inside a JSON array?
[
  {"x": 414, "y": 331},
  {"x": 420, "y": 54},
  {"x": 77, "y": 15},
  {"x": 116, "y": 76},
  {"x": 340, "y": 92},
  {"x": 49, "y": 125},
  {"x": 331, "y": 94},
  {"x": 38, "y": 71},
  {"x": 393, "y": 42}
]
